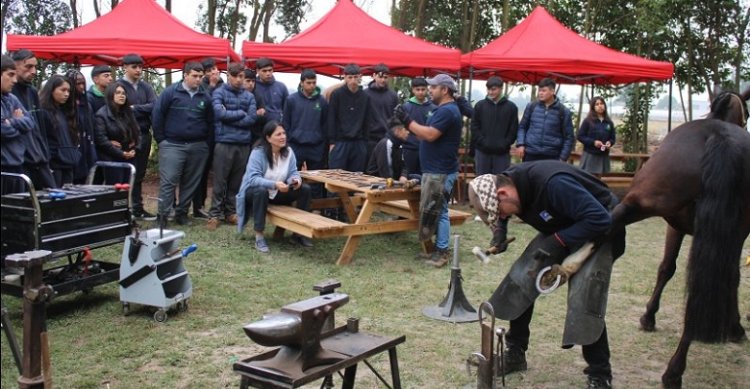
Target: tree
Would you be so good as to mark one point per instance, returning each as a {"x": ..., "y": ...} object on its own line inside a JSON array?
[{"x": 38, "y": 17}]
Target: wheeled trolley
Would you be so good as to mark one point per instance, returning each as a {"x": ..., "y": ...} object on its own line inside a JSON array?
[{"x": 152, "y": 272}]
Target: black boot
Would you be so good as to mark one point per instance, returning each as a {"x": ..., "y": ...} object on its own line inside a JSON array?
[
  {"x": 514, "y": 359},
  {"x": 596, "y": 382}
]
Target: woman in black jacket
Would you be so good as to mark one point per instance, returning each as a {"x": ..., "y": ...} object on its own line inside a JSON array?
[
  {"x": 84, "y": 126},
  {"x": 116, "y": 132},
  {"x": 58, "y": 117},
  {"x": 598, "y": 135}
]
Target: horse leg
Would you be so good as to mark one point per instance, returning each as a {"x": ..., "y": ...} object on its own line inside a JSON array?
[
  {"x": 666, "y": 272},
  {"x": 672, "y": 377}
]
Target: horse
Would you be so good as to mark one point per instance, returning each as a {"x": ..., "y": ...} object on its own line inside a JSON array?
[
  {"x": 699, "y": 182},
  {"x": 729, "y": 107}
]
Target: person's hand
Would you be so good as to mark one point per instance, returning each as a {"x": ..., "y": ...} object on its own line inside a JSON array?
[
  {"x": 282, "y": 187},
  {"x": 129, "y": 154},
  {"x": 18, "y": 113},
  {"x": 608, "y": 144},
  {"x": 330, "y": 148},
  {"x": 261, "y": 112},
  {"x": 402, "y": 116},
  {"x": 296, "y": 183},
  {"x": 116, "y": 144},
  {"x": 521, "y": 151},
  {"x": 598, "y": 144}
]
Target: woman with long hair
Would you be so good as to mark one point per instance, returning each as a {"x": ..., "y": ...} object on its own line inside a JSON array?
[
  {"x": 84, "y": 125},
  {"x": 117, "y": 134},
  {"x": 271, "y": 176},
  {"x": 58, "y": 117},
  {"x": 598, "y": 135}
]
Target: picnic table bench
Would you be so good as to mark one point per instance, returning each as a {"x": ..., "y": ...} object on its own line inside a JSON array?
[{"x": 359, "y": 207}]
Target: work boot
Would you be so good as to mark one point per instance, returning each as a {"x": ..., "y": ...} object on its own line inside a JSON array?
[
  {"x": 596, "y": 382},
  {"x": 183, "y": 220},
  {"x": 212, "y": 224},
  {"x": 514, "y": 359},
  {"x": 302, "y": 240},
  {"x": 439, "y": 258},
  {"x": 231, "y": 219}
]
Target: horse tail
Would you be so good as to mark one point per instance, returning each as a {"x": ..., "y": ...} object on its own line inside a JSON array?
[{"x": 713, "y": 272}]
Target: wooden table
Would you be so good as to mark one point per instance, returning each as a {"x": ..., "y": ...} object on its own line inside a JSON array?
[
  {"x": 356, "y": 189},
  {"x": 640, "y": 158}
]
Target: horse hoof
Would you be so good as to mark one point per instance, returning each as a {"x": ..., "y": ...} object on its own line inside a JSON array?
[
  {"x": 671, "y": 382},
  {"x": 648, "y": 324}
]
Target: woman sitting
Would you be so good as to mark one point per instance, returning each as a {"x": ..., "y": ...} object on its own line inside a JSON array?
[{"x": 271, "y": 176}]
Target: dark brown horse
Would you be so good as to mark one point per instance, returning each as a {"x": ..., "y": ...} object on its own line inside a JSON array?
[
  {"x": 699, "y": 182},
  {"x": 729, "y": 107}
]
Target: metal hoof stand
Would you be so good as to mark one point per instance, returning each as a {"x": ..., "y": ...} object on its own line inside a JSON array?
[
  {"x": 152, "y": 272},
  {"x": 454, "y": 307}
]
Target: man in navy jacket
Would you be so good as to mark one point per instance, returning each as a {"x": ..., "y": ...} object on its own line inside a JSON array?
[
  {"x": 546, "y": 129},
  {"x": 183, "y": 120},
  {"x": 274, "y": 92}
]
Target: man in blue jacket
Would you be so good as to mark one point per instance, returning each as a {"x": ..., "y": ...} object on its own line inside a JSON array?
[
  {"x": 142, "y": 96},
  {"x": 274, "y": 92},
  {"x": 419, "y": 107},
  {"x": 16, "y": 124},
  {"x": 183, "y": 119},
  {"x": 305, "y": 115},
  {"x": 546, "y": 129},
  {"x": 234, "y": 112},
  {"x": 36, "y": 155}
]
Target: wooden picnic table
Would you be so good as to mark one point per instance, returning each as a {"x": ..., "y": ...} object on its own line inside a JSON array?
[{"x": 360, "y": 196}]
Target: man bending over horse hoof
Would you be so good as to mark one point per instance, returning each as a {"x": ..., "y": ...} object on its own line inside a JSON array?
[
  {"x": 568, "y": 207},
  {"x": 483, "y": 198}
]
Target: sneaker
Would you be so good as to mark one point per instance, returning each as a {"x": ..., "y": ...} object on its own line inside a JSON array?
[
  {"x": 261, "y": 245},
  {"x": 595, "y": 382},
  {"x": 200, "y": 214},
  {"x": 143, "y": 215},
  {"x": 439, "y": 258},
  {"x": 514, "y": 359},
  {"x": 231, "y": 219},
  {"x": 302, "y": 240},
  {"x": 183, "y": 220},
  {"x": 212, "y": 224}
]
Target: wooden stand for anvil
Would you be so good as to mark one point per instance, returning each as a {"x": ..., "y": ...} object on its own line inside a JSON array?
[{"x": 35, "y": 296}]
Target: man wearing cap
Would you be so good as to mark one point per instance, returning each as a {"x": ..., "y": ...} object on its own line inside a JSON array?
[
  {"x": 569, "y": 208},
  {"x": 260, "y": 105},
  {"x": 386, "y": 160},
  {"x": 546, "y": 128},
  {"x": 183, "y": 119},
  {"x": 348, "y": 115},
  {"x": 305, "y": 115},
  {"x": 36, "y": 154},
  {"x": 438, "y": 155},
  {"x": 101, "y": 75},
  {"x": 274, "y": 92},
  {"x": 419, "y": 107},
  {"x": 142, "y": 97},
  {"x": 234, "y": 113},
  {"x": 383, "y": 101}
]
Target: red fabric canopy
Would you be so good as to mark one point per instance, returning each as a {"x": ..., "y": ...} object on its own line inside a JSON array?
[
  {"x": 134, "y": 26},
  {"x": 540, "y": 46},
  {"x": 346, "y": 34}
]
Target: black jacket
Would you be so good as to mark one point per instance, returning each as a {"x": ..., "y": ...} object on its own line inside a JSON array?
[
  {"x": 494, "y": 126},
  {"x": 348, "y": 115},
  {"x": 108, "y": 128}
]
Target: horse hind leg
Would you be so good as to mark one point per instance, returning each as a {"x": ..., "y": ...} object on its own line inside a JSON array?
[
  {"x": 672, "y": 377},
  {"x": 666, "y": 272}
]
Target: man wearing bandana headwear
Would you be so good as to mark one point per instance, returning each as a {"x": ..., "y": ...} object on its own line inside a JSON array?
[{"x": 568, "y": 207}]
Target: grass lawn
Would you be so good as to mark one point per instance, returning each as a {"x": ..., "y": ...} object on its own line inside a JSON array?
[{"x": 92, "y": 342}]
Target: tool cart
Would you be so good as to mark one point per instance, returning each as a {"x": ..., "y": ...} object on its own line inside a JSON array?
[{"x": 152, "y": 272}]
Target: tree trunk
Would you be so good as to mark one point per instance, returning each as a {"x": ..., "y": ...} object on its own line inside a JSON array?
[
  {"x": 113, "y": 4},
  {"x": 96, "y": 9},
  {"x": 741, "y": 42},
  {"x": 419, "y": 28},
  {"x": 211, "y": 16},
  {"x": 255, "y": 21},
  {"x": 270, "y": 7},
  {"x": 682, "y": 103},
  {"x": 473, "y": 28},
  {"x": 506, "y": 16},
  {"x": 74, "y": 12},
  {"x": 232, "y": 34},
  {"x": 464, "y": 39}
]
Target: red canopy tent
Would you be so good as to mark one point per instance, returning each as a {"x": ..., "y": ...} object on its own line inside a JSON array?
[
  {"x": 540, "y": 46},
  {"x": 346, "y": 34},
  {"x": 134, "y": 26}
]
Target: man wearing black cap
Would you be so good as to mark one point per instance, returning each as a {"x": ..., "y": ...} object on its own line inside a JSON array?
[
  {"x": 36, "y": 155},
  {"x": 305, "y": 124},
  {"x": 101, "y": 75},
  {"x": 348, "y": 114},
  {"x": 383, "y": 101},
  {"x": 419, "y": 107},
  {"x": 438, "y": 155},
  {"x": 274, "y": 92},
  {"x": 142, "y": 97}
]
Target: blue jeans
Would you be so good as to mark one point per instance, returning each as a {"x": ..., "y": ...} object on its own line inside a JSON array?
[{"x": 443, "y": 232}]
